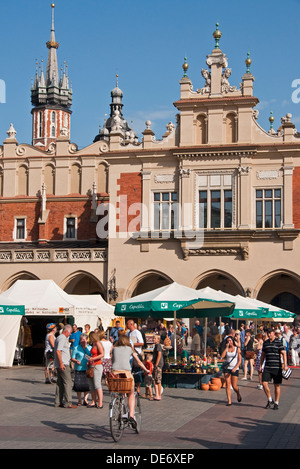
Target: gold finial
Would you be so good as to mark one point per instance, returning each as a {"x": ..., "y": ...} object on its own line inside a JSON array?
[
  {"x": 248, "y": 62},
  {"x": 217, "y": 35},
  {"x": 52, "y": 5},
  {"x": 185, "y": 67}
]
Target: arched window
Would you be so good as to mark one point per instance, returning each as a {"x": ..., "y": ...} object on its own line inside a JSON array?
[
  {"x": 53, "y": 118},
  {"x": 75, "y": 179},
  {"x": 49, "y": 179},
  {"x": 231, "y": 128},
  {"x": 102, "y": 178},
  {"x": 23, "y": 181},
  {"x": 201, "y": 130}
]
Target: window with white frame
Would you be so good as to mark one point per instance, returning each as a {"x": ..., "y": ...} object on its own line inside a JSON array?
[
  {"x": 268, "y": 204},
  {"x": 215, "y": 201},
  {"x": 20, "y": 232},
  {"x": 165, "y": 210},
  {"x": 70, "y": 229}
]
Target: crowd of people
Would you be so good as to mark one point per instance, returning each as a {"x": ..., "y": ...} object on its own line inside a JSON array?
[
  {"x": 93, "y": 355},
  {"x": 269, "y": 351}
]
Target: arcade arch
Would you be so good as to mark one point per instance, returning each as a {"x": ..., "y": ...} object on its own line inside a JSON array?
[
  {"x": 82, "y": 283},
  {"x": 147, "y": 281},
  {"x": 280, "y": 288},
  {"x": 218, "y": 280},
  {"x": 18, "y": 276}
]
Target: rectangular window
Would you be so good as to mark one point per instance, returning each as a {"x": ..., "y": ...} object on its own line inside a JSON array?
[
  {"x": 215, "y": 208},
  {"x": 165, "y": 210},
  {"x": 71, "y": 228},
  {"x": 268, "y": 208},
  {"x": 20, "y": 228}
]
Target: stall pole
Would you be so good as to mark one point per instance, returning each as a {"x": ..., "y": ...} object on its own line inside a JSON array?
[
  {"x": 205, "y": 337},
  {"x": 175, "y": 337}
]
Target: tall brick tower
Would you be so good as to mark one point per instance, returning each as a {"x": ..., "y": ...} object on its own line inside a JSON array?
[{"x": 51, "y": 97}]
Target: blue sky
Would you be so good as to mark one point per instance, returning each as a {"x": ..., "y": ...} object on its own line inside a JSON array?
[{"x": 145, "y": 43}]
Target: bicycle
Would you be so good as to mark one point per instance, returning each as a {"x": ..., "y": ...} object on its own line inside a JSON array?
[
  {"x": 119, "y": 410},
  {"x": 51, "y": 372}
]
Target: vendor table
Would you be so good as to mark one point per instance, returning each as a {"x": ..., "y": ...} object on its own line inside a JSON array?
[{"x": 185, "y": 380}]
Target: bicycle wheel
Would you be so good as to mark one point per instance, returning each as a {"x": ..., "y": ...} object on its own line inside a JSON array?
[
  {"x": 138, "y": 413},
  {"x": 116, "y": 423},
  {"x": 52, "y": 373}
]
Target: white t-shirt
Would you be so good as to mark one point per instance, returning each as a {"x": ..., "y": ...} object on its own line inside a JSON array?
[
  {"x": 107, "y": 345},
  {"x": 136, "y": 338}
]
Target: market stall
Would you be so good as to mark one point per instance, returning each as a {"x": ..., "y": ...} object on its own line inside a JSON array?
[
  {"x": 43, "y": 302},
  {"x": 11, "y": 314}
]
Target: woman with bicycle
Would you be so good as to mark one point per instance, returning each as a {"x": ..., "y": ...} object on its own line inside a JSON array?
[
  {"x": 122, "y": 356},
  {"x": 49, "y": 347}
]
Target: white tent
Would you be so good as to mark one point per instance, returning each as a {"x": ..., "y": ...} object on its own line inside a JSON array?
[
  {"x": 104, "y": 311},
  {"x": 10, "y": 316},
  {"x": 45, "y": 297},
  {"x": 40, "y": 298}
]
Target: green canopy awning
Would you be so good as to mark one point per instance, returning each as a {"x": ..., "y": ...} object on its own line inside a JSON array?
[{"x": 163, "y": 301}]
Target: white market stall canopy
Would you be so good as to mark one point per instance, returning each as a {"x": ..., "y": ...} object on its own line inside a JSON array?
[
  {"x": 11, "y": 313},
  {"x": 45, "y": 297},
  {"x": 104, "y": 311}
]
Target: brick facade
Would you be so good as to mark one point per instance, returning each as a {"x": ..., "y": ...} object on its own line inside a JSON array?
[{"x": 130, "y": 187}]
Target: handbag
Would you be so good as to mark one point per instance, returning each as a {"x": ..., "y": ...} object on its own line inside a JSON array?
[
  {"x": 90, "y": 372},
  {"x": 226, "y": 364},
  {"x": 286, "y": 373},
  {"x": 249, "y": 355}
]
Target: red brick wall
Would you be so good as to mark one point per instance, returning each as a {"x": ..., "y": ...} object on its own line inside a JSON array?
[
  {"x": 8, "y": 212},
  {"x": 131, "y": 187},
  {"x": 54, "y": 227},
  {"x": 296, "y": 197}
]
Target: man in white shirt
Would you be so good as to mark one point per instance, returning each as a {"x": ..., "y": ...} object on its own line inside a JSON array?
[
  {"x": 135, "y": 337},
  {"x": 137, "y": 341},
  {"x": 63, "y": 395}
]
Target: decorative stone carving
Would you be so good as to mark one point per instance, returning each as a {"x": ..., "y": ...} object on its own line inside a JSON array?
[
  {"x": 11, "y": 132},
  {"x": 161, "y": 178},
  {"x": 207, "y": 77},
  {"x": 225, "y": 86},
  {"x": 270, "y": 174},
  {"x": 103, "y": 147},
  {"x": 73, "y": 148},
  {"x": 185, "y": 172},
  {"x": 20, "y": 150}
]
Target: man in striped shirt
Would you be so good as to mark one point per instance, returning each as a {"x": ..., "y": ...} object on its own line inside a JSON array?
[{"x": 271, "y": 367}]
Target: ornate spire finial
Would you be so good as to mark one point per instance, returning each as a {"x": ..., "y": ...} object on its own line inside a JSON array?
[
  {"x": 217, "y": 35},
  {"x": 185, "y": 67},
  {"x": 271, "y": 120},
  {"x": 52, "y": 42},
  {"x": 248, "y": 62},
  {"x": 117, "y": 81}
]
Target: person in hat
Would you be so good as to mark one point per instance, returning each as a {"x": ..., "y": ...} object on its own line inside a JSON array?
[
  {"x": 272, "y": 354},
  {"x": 49, "y": 347}
]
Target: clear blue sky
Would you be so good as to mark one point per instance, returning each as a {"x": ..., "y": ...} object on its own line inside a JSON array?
[{"x": 145, "y": 42}]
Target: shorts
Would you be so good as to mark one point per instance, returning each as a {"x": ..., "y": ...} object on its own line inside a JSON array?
[
  {"x": 148, "y": 380},
  {"x": 157, "y": 375},
  {"x": 232, "y": 373},
  {"x": 275, "y": 374}
]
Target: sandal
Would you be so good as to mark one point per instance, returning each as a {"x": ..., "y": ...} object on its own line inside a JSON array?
[{"x": 151, "y": 399}]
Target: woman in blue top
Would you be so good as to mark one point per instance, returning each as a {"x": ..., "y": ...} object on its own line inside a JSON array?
[{"x": 81, "y": 383}]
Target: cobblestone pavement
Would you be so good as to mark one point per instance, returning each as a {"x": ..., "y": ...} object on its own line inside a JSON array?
[{"x": 185, "y": 419}]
